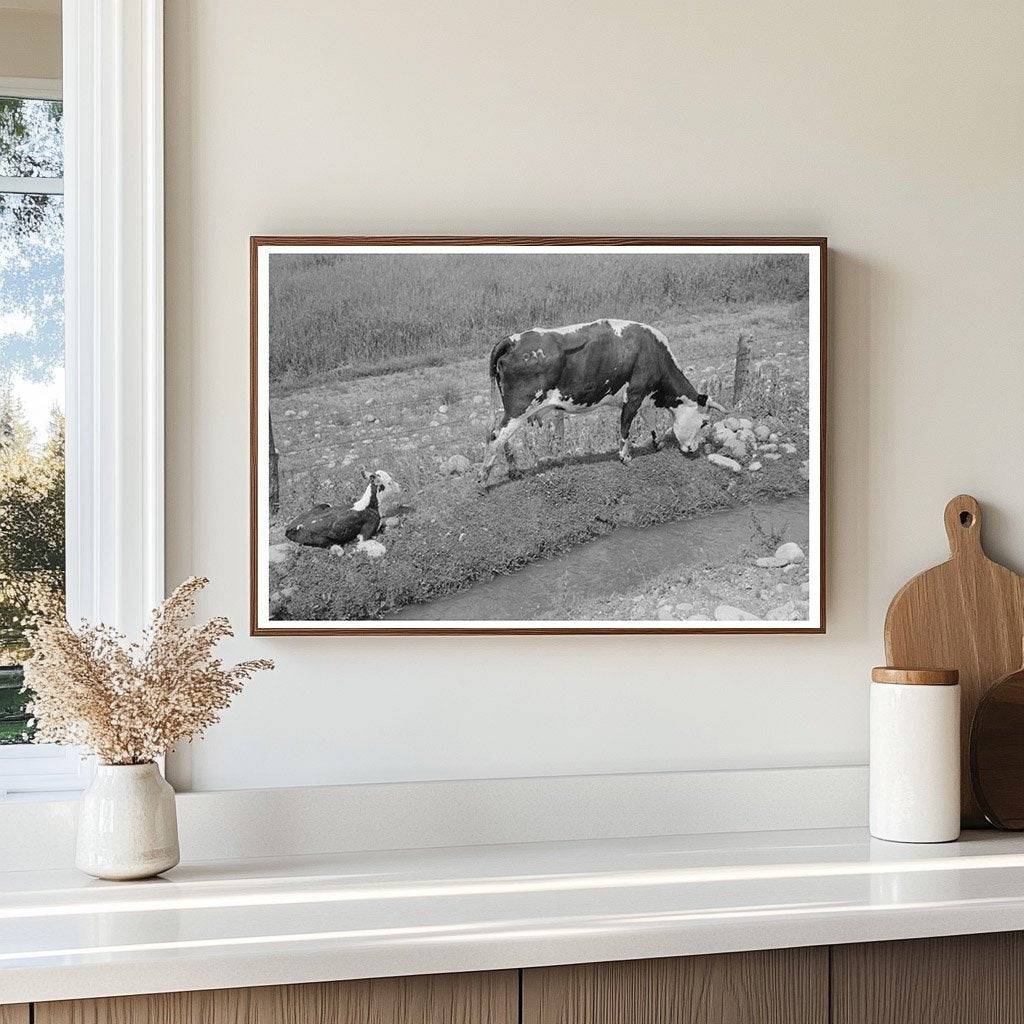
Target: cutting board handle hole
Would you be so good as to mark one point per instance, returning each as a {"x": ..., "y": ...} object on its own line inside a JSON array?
[{"x": 966, "y": 519}]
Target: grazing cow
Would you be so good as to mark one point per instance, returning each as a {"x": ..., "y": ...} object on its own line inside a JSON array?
[
  {"x": 326, "y": 527},
  {"x": 582, "y": 367}
]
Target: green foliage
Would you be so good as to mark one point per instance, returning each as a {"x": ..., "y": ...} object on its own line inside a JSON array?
[
  {"x": 344, "y": 314},
  {"x": 31, "y": 544}
]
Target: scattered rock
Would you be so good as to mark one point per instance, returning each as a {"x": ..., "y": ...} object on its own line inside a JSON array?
[
  {"x": 725, "y": 462},
  {"x": 369, "y": 418},
  {"x": 761, "y": 432},
  {"x": 289, "y": 413},
  {"x": 478, "y": 399},
  {"x": 370, "y": 548},
  {"x": 729, "y": 613},
  {"x": 442, "y": 409},
  {"x": 665, "y": 613},
  {"x": 789, "y": 449},
  {"x": 754, "y": 467},
  {"x": 434, "y": 423},
  {"x": 459, "y": 464},
  {"x": 337, "y": 550},
  {"x": 684, "y": 609},
  {"x": 771, "y": 562},
  {"x": 746, "y": 425},
  {"x": 789, "y": 552},
  {"x": 771, "y": 456},
  {"x": 281, "y": 554},
  {"x": 805, "y": 587},
  {"x": 391, "y": 522},
  {"x": 783, "y": 613},
  {"x": 732, "y": 423}
]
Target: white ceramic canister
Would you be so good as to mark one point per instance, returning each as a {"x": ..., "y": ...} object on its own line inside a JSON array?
[
  {"x": 127, "y": 825},
  {"x": 915, "y": 755}
]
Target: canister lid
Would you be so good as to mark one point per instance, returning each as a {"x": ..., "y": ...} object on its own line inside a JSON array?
[{"x": 916, "y": 676}]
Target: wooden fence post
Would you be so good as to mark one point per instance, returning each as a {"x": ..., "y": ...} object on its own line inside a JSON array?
[
  {"x": 739, "y": 379},
  {"x": 275, "y": 483}
]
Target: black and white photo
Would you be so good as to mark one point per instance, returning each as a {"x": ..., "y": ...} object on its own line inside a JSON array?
[{"x": 548, "y": 435}]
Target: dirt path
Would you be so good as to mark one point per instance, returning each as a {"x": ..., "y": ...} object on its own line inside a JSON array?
[{"x": 625, "y": 562}]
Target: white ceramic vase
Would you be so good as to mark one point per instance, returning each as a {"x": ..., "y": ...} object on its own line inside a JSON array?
[{"x": 127, "y": 824}]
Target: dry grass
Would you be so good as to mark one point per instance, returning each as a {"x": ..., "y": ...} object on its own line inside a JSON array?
[{"x": 358, "y": 315}]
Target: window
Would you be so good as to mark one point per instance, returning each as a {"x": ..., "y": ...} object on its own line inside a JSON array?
[{"x": 31, "y": 410}]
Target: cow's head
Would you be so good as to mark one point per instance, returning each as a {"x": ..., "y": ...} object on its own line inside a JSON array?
[
  {"x": 387, "y": 488},
  {"x": 690, "y": 420}
]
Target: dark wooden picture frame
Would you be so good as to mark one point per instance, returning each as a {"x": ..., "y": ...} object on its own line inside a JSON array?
[{"x": 285, "y": 628}]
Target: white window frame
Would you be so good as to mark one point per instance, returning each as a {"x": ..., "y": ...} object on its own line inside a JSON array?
[{"x": 114, "y": 325}]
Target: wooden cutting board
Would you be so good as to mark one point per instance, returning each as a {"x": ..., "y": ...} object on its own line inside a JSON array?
[{"x": 967, "y": 614}]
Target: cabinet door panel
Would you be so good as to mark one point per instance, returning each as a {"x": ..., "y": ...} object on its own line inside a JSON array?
[
  {"x": 481, "y": 998},
  {"x": 960, "y": 979},
  {"x": 778, "y": 986},
  {"x": 14, "y": 1013}
]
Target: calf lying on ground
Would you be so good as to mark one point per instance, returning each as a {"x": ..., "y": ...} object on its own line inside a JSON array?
[{"x": 324, "y": 526}]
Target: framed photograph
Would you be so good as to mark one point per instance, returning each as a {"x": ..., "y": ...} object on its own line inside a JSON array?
[{"x": 537, "y": 435}]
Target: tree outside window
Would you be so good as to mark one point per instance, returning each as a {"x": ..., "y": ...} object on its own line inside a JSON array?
[{"x": 31, "y": 387}]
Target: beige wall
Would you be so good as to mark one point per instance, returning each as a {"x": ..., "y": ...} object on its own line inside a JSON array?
[
  {"x": 895, "y": 129},
  {"x": 30, "y": 43}
]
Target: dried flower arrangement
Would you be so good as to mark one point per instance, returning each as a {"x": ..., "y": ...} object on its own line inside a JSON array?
[{"x": 129, "y": 703}]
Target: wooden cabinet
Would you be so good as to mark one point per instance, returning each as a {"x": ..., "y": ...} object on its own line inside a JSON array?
[
  {"x": 490, "y": 998},
  {"x": 970, "y": 979},
  {"x": 962, "y": 979},
  {"x": 777, "y": 986}
]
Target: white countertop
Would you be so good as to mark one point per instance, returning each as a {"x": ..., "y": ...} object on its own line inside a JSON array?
[{"x": 262, "y": 922}]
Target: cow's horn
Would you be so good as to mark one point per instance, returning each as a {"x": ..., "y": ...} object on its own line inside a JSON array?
[{"x": 712, "y": 404}]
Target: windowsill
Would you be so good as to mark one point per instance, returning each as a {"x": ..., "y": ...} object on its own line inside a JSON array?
[{"x": 304, "y": 919}]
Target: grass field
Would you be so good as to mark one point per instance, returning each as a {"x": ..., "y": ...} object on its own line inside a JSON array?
[{"x": 388, "y": 370}]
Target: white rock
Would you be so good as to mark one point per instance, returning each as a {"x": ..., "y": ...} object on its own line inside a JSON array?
[
  {"x": 289, "y": 412},
  {"x": 805, "y": 587},
  {"x": 337, "y": 550},
  {"x": 459, "y": 464},
  {"x": 281, "y": 554},
  {"x": 770, "y": 562},
  {"x": 729, "y": 613},
  {"x": 746, "y": 435},
  {"x": 303, "y": 414},
  {"x": 391, "y": 522},
  {"x": 783, "y": 613},
  {"x": 725, "y": 463},
  {"x": 789, "y": 552},
  {"x": 434, "y": 423},
  {"x": 761, "y": 432},
  {"x": 805, "y": 470},
  {"x": 369, "y": 418},
  {"x": 771, "y": 456},
  {"x": 789, "y": 449},
  {"x": 288, "y": 592},
  {"x": 746, "y": 425},
  {"x": 769, "y": 446},
  {"x": 773, "y": 437},
  {"x": 442, "y": 408},
  {"x": 370, "y": 548},
  {"x": 754, "y": 467},
  {"x": 683, "y": 609},
  {"x": 478, "y": 399},
  {"x": 732, "y": 423},
  {"x": 665, "y": 613}
]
